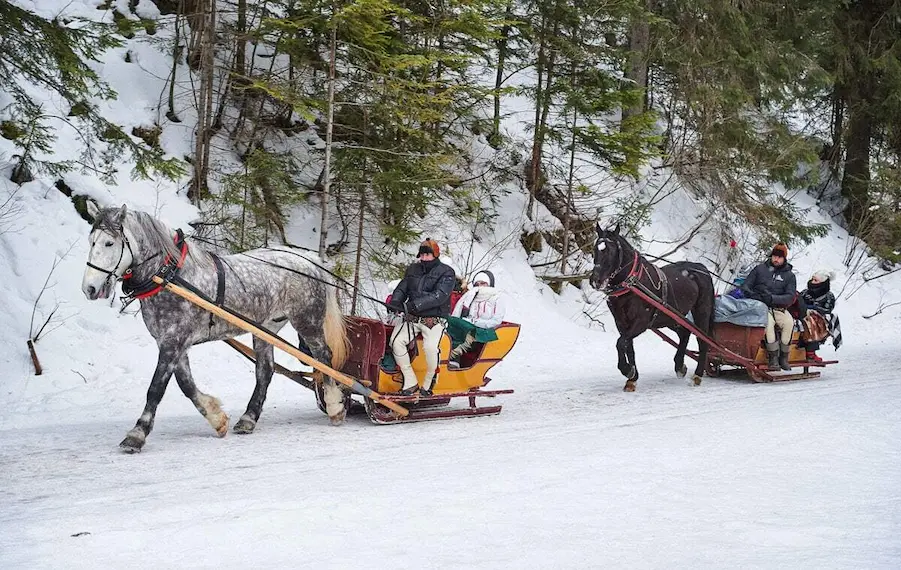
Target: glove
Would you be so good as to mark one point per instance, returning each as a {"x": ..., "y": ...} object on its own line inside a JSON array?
[
  {"x": 766, "y": 297},
  {"x": 394, "y": 308}
]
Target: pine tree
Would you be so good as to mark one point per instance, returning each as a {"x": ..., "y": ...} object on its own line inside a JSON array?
[
  {"x": 728, "y": 76},
  {"x": 55, "y": 55}
]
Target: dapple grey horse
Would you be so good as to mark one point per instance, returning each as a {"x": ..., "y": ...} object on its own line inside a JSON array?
[{"x": 270, "y": 287}]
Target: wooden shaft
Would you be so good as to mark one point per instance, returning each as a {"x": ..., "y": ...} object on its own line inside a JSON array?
[
  {"x": 301, "y": 378},
  {"x": 283, "y": 345},
  {"x": 305, "y": 379}
]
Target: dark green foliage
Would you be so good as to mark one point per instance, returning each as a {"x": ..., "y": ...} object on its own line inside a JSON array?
[{"x": 54, "y": 55}]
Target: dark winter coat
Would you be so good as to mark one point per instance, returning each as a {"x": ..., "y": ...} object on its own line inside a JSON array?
[
  {"x": 426, "y": 287},
  {"x": 775, "y": 286},
  {"x": 818, "y": 297}
]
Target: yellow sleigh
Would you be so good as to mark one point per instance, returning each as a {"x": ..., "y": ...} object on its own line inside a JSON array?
[{"x": 367, "y": 362}]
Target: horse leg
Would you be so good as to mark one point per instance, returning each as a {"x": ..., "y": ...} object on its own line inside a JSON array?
[
  {"x": 209, "y": 406},
  {"x": 702, "y": 360},
  {"x": 626, "y": 351},
  {"x": 684, "y": 335},
  {"x": 265, "y": 362},
  {"x": 165, "y": 366},
  {"x": 314, "y": 338}
]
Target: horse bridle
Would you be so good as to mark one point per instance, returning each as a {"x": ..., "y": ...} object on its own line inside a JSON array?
[
  {"x": 619, "y": 251},
  {"x": 111, "y": 274}
]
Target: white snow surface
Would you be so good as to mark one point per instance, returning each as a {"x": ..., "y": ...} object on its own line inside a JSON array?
[{"x": 572, "y": 473}]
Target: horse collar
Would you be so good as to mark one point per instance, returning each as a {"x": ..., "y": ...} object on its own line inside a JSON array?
[
  {"x": 624, "y": 285},
  {"x": 167, "y": 271}
]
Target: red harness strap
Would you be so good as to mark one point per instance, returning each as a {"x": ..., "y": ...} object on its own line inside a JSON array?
[
  {"x": 636, "y": 272},
  {"x": 166, "y": 263}
]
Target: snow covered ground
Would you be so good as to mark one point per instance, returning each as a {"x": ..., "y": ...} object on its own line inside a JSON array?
[{"x": 573, "y": 473}]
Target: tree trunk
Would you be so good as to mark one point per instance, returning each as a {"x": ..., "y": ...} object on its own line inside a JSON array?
[
  {"x": 856, "y": 179},
  {"x": 326, "y": 182},
  {"x": 501, "y": 45},
  {"x": 176, "y": 53},
  {"x": 361, "y": 213},
  {"x": 534, "y": 178},
  {"x": 205, "y": 110},
  {"x": 637, "y": 71},
  {"x": 241, "y": 40},
  {"x": 573, "y": 82},
  {"x": 838, "y": 127}
]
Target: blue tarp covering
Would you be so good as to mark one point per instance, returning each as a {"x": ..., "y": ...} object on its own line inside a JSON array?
[{"x": 742, "y": 312}]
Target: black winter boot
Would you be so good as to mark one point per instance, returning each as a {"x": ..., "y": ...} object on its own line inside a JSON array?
[
  {"x": 772, "y": 352},
  {"x": 784, "y": 349}
]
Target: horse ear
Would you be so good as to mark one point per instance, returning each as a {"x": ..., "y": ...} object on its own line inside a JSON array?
[
  {"x": 597, "y": 228},
  {"x": 616, "y": 229},
  {"x": 93, "y": 210},
  {"x": 120, "y": 215}
]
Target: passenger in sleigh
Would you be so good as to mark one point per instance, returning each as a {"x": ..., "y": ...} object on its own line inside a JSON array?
[
  {"x": 820, "y": 299},
  {"x": 475, "y": 316},
  {"x": 423, "y": 296},
  {"x": 773, "y": 283}
]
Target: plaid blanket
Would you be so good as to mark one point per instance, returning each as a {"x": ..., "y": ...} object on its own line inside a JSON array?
[{"x": 835, "y": 330}]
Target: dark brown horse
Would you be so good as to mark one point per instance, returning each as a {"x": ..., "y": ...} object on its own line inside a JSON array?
[{"x": 682, "y": 286}]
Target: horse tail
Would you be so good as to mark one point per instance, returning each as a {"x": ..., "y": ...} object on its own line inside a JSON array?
[
  {"x": 335, "y": 329},
  {"x": 711, "y": 296},
  {"x": 707, "y": 293}
]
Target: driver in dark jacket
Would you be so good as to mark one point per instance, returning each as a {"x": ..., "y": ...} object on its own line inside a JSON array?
[
  {"x": 773, "y": 283},
  {"x": 424, "y": 296}
]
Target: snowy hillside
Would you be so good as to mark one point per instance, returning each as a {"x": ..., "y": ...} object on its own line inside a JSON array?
[{"x": 572, "y": 473}]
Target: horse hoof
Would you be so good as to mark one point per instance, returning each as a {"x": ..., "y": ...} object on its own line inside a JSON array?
[
  {"x": 630, "y": 386},
  {"x": 337, "y": 420},
  {"x": 131, "y": 445},
  {"x": 244, "y": 426},
  {"x": 680, "y": 373},
  {"x": 221, "y": 426},
  {"x": 696, "y": 380}
]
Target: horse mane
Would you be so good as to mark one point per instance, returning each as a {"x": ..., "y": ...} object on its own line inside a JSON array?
[{"x": 151, "y": 234}]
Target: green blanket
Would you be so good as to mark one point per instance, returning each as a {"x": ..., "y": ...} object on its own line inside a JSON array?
[{"x": 457, "y": 329}]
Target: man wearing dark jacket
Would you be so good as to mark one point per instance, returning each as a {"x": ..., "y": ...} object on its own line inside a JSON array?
[
  {"x": 773, "y": 283},
  {"x": 423, "y": 295}
]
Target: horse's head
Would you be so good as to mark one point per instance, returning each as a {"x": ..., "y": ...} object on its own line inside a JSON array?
[
  {"x": 110, "y": 254},
  {"x": 608, "y": 256}
]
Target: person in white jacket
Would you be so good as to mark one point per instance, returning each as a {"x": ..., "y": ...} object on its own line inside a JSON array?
[{"x": 482, "y": 306}]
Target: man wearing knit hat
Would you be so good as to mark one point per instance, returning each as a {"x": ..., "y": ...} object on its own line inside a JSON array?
[
  {"x": 423, "y": 295},
  {"x": 773, "y": 283},
  {"x": 482, "y": 307}
]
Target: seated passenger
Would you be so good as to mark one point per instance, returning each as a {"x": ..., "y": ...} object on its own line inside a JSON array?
[
  {"x": 820, "y": 299},
  {"x": 423, "y": 295},
  {"x": 483, "y": 307},
  {"x": 773, "y": 283}
]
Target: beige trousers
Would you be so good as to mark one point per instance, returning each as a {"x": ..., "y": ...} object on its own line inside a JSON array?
[
  {"x": 431, "y": 339},
  {"x": 782, "y": 319}
]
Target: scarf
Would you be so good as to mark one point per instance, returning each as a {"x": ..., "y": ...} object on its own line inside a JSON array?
[
  {"x": 484, "y": 294},
  {"x": 817, "y": 290}
]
